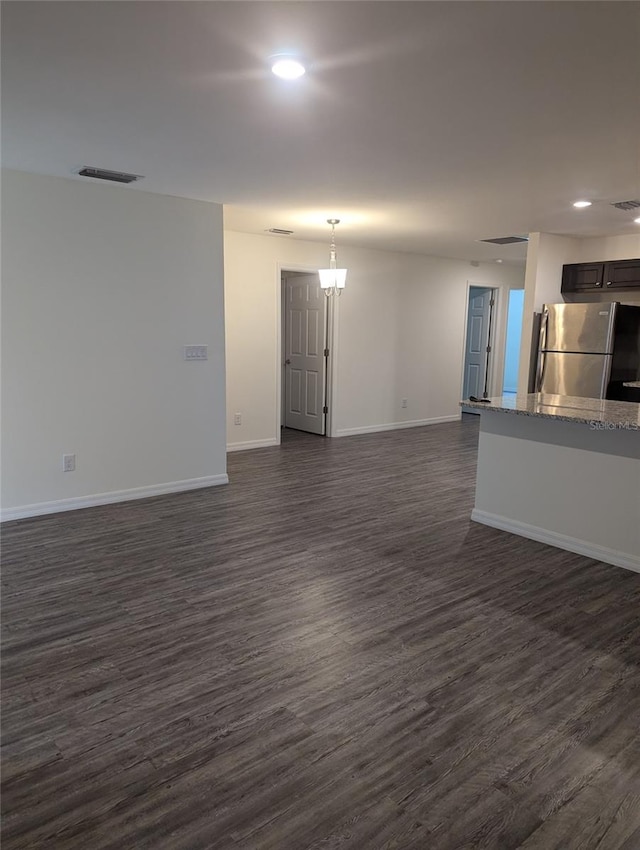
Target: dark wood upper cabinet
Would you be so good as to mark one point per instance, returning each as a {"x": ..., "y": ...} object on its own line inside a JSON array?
[
  {"x": 577, "y": 277},
  {"x": 622, "y": 274},
  {"x": 585, "y": 277}
]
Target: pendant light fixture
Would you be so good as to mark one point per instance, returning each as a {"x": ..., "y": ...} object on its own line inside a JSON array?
[{"x": 332, "y": 280}]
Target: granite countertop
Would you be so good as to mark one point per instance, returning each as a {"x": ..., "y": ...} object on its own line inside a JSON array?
[{"x": 614, "y": 414}]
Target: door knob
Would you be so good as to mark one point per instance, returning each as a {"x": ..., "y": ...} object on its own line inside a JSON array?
[{"x": 287, "y": 362}]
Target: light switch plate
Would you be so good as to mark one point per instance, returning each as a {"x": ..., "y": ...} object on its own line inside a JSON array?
[{"x": 195, "y": 352}]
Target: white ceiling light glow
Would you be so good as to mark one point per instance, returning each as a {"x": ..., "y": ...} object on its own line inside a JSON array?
[
  {"x": 581, "y": 204},
  {"x": 636, "y": 220},
  {"x": 287, "y": 67}
]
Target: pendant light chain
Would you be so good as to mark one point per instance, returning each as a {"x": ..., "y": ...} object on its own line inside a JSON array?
[{"x": 332, "y": 253}]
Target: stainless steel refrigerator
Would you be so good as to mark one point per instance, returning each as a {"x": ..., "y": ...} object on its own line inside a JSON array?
[{"x": 589, "y": 350}]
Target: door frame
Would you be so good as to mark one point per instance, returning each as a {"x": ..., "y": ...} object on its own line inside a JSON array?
[
  {"x": 497, "y": 339},
  {"x": 333, "y": 314}
]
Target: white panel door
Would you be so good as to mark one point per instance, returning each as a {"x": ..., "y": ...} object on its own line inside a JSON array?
[
  {"x": 305, "y": 373},
  {"x": 478, "y": 326}
]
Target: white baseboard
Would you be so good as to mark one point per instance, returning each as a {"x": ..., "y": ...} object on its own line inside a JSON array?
[
  {"x": 561, "y": 541},
  {"x": 395, "y": 426},
  {"x": 252, "y": 444},
  {"x": 41, "y": 508}
]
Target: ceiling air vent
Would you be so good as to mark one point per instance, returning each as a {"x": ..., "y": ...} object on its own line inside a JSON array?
[
  {"x": 279, "y": 231},
  {"x": 506, "y": 240},
  {"x": 626, "y": 205},
  {"x": 113, "y": 176}
]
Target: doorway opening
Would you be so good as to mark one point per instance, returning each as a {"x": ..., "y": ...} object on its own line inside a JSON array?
[
  {"x": 479, "y": 336},
  {"x": 512, "y": 347},
  {"x": 305, "y": 353}
]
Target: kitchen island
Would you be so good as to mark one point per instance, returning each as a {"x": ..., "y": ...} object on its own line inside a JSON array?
[{"x": 564, "y": 471}]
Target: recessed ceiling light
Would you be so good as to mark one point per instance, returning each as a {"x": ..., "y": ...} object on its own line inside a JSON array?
[
  {"x": 637, "y": 220},
  {"x": 499, "y": 261},
  {"x": 581, "y": 204},
  {"x": 286, "y": 67}
]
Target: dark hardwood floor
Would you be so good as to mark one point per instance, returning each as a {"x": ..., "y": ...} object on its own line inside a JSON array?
[{"x": 325, "y": 654}]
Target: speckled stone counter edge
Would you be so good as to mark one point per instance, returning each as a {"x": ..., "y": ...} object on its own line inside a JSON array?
[{"x": 621, "y": 414}]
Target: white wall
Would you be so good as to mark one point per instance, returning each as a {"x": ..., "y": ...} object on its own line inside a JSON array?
[
  {"x": 546, "y": 254},
  {"x": 101, "y": 288},
  {"x": 400, "y": 333},
  {"x": 608, "y": 248}
]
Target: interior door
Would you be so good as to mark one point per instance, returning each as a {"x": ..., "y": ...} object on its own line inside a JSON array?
[
  {"x": 477, "y": 340},
  {"x": 305, "y": 362}
]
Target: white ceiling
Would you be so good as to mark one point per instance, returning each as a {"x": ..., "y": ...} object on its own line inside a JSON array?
[{"x": 424, "y": 126}]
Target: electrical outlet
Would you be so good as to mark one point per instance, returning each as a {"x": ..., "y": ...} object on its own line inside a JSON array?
[
  {"x": 403, "y": 403},
  {"x": 68, "y": 463},
  {"x": 237, "y": 419}
]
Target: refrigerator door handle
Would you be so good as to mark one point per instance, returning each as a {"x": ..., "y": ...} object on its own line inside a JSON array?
[
  {"x": 544, "y": 327},
  {"x": 544, "y": 324},
  {"x": 606, "y": 375},
  {"x": 611, "y": 330},
  {"x": 541, "y": 366}
]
